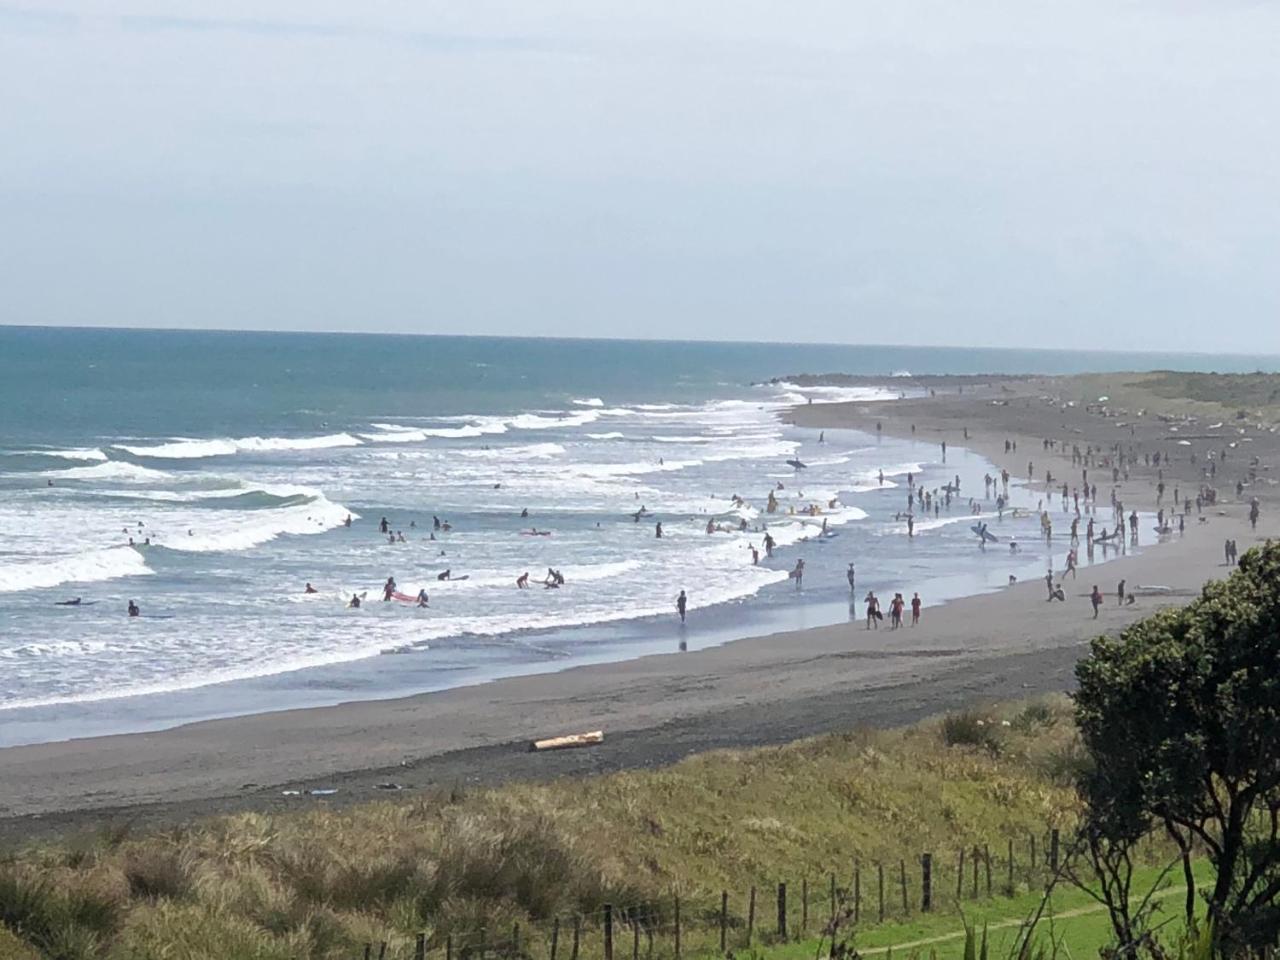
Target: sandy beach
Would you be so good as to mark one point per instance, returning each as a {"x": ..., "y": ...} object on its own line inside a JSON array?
[{"x": 659, "y": 708}]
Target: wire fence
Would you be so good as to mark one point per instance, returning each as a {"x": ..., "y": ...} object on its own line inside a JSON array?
[{"x": 863, "y": 892}]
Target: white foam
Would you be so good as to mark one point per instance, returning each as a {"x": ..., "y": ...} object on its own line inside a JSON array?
[
  {"x": 88, "y": 567},
  {"x": 590, "y": 402},
  {"x": 606, "y": 436},
  {"x": 833, "y": 394},
  {"x": 76, "y": 453},
  {"x": 110, "y": 470},
  {"x": 533, "y": 421},
  {"x": 243, "y": 530},
  {"x": 680, "y": 439},
  {"x": 193, "y": 449},
  {"x": 532, "y": 451}
]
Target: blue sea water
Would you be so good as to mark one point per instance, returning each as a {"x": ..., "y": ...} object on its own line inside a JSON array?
[{"x": 233, "y": 460}]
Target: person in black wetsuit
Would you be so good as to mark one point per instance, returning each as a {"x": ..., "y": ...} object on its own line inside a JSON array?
[
  {"x": 133, "y": 609},
  {"x": 682, "y": 604}
]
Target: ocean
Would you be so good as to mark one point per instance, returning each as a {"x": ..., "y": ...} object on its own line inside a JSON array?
[{"x": 208, "y": 476}]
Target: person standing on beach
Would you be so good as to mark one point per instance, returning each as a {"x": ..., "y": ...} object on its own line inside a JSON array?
[
  {"x": 1120, "y": 594},
  {"x": 873, "y": 611},
  {"x": 1096, "y": 599},
  {"x": 682, "y": 604},
  {"x": 850, "y": 577},
  {"x": 1253, "y": 513},
  {"x": 915, "y": 609}
]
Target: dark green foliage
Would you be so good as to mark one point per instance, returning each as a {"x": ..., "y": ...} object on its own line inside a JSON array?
[{"x": 1181, "y": 716}]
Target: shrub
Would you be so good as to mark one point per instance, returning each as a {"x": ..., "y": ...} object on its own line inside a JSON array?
[
  {"x": 1033, "y": 717},
  {"x": 154, "y": 871},
  {"x": 970, "y": 729}
]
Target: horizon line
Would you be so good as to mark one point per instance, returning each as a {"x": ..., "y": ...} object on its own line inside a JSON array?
[{"x": 685, "y": 340}]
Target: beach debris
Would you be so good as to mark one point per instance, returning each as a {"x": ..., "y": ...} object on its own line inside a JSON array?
[
  {"x": 322, "y": 792},
  {"x": 290, "y": 793},
  {"x": 570, "y": 740},
  {"x": 389, "y": 785}
]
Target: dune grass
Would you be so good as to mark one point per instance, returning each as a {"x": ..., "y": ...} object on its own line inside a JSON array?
[{"x": 321, "y": 883}]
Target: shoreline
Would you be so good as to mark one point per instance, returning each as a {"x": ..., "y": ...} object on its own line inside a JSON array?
[{"x": 654, "y": 709}]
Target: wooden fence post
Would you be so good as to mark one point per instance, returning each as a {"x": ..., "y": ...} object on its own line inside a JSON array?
[
  {"x": 368, "y": 951},
  {"x": 482, "y": 943},
  {"x": 751, "y": 916},
  {"x": 724, "y": 920},
  {"x": 635, "y": 937},
  {"x": 880, "y": 887},
  {"x": 804, "y": 905},
  {"x": 986, "y": 862},
  {"x": 420, "y": 947},
  {"x": 515, "y": 938},
  {"x": 902, "y": 876},
  {"x": 1053, "y": 850},
  {"x": 677, "y": 922},
  {"x": 1033, "y": 851},
  {"x": 857, "y": 891},
  {"x": 608, "y": 931},
  {"x": 926, "y": 882},
  {"x": 782, "y": 911},
  {"x": 973, "y": 887},
  {"x": 1009, "y": 892},
  {"x": 577, "y": 937},
  {"x": 833, "y": 899},
  {"x": 448, "y": 947},
  {"x": 555, "y": 936},
  {"x": 960, "y": 878}
]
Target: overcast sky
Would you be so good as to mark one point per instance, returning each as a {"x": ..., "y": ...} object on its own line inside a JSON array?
[{"x": 1082, "y": 173}]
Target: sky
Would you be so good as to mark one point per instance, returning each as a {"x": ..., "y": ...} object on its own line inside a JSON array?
[{"x": 1092, "y": 173}]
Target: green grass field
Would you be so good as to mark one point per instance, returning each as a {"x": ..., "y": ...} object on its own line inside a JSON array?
[{"x": 1072, "y": 924}]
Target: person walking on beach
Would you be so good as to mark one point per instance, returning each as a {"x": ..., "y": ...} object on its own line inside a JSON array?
[
  {"x": 682, "y": 604},
  {"x": 1120, "y": 594},
  {"x": 873, "y": 611},
  {"x": 849, "y": 575},
  {"x": 1253, "y": 513},
  {"x": 915, "y": 609},
  {"x": 1096, "y": 599}
]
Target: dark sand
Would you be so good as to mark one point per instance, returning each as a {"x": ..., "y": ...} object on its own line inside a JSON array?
[{"x": 657, "y": 709}]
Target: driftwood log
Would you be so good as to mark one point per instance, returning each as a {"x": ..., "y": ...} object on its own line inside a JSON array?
[{"x": 570, "y": 740}]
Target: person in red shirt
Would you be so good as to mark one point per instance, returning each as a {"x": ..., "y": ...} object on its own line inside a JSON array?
[{"x": 915, "y": 609}]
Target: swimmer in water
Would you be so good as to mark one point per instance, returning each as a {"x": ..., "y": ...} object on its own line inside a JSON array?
[
  {"x": 682, "y": 603},
  {"x": 422, "y": 598},
  {"x": 309, "y": 588},
  {"x": 354, "y": 602},
  {"x": 388, "y": 589},
  {"x": 133, "y": 609},
  {"x": 522, "y": 581},
  {"x": 447, "y": 575}
]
